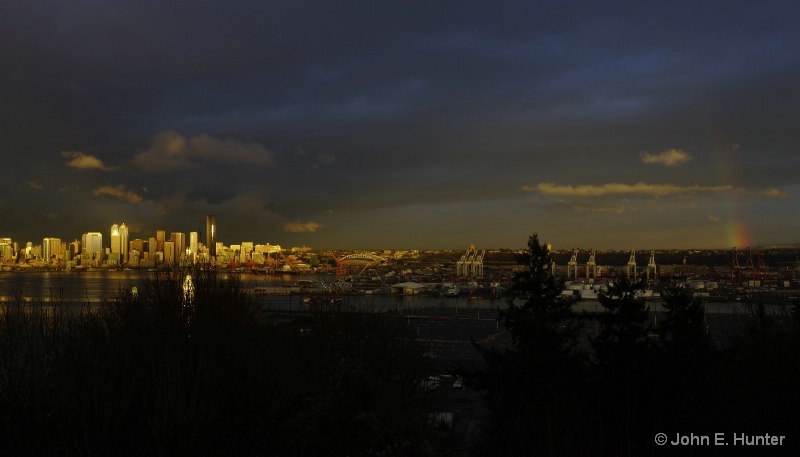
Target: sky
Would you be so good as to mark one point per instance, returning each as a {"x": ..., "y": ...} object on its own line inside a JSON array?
[{"x": 403, "y": 125}]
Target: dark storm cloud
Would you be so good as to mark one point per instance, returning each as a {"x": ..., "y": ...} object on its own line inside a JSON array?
[{"x": 282, "y": 117}]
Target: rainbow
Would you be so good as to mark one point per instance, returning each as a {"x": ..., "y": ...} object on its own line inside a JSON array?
[{"x": 737, "y": 232}]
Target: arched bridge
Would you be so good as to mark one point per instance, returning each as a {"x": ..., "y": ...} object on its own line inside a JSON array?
[{"x": 370, "y": 258}]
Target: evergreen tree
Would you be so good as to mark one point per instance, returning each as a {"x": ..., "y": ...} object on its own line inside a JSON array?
[
  {"x": 624, "y": 374},
  {"x": 532, "y": 386},
  {"x": 683, "y": 330},
  {"x": 619, "y": 342},
  {"x": 538, "y": 316}
]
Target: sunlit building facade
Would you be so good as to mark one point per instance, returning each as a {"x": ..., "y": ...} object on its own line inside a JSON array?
[
  {"x": 115, "y": 256},
  {"x": 52, "y": 249},
  {"x": 180, "y": 245},
  {"x": 123, "y": 242},
  {"x": 161, "y": 237},
  {"x": 169, "y": 253},
  {"x": 193, "y": 241},
  {"x": 92, "y": 245},
  {"x": 211, "y": 235},
  {"x": 6, "y": 249}
]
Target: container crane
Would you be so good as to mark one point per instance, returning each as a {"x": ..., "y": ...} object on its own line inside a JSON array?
[{"x": 341, "y": 265}]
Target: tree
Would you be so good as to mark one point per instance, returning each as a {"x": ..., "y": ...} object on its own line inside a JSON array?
[
  {"x": 624, "y": 371},
  {"x": 539, "y": 317},
  {"x": 532, "y": 386},
  {"x": 619, "y": 342},
  {"x": 683, "y": 330}
]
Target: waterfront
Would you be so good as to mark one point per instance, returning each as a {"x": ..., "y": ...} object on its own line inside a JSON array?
[{"x": 93, "y": 287}]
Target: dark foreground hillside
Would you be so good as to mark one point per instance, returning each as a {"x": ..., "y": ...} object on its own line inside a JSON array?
[
  {"x": 200, "y": 371},
  {"x": 177, "y": 368}
]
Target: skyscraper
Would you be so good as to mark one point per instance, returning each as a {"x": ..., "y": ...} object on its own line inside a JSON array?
[
  {"x": 193, "y": 240},
  {"x": 152, "y": 248},
  {"x": 92, "y": 244},
  {"x": 51, "y": 247},
  {"x": 123, "y": 242},
  {"x": 169, "y": 253},
  {"x": 115, "y": 256},
  {"x": 161, "y": 236},
  {"x": 211, "y": 235},
  {"x": 180, "y": 244}
]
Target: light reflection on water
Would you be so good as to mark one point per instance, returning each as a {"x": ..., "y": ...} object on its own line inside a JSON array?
[{"x": 95, "y": 286}]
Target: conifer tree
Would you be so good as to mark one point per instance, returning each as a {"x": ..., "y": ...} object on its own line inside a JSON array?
[
  {"x": 683, "y": 330},
  {"x": 622, "y": 332},
  {"x": 532, "y": 386}
]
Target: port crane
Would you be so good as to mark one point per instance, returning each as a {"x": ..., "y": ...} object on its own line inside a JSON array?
[
  {"x": 651, "y": 265},
  {"x": 591, "y": 267},
  {"x": 736, "y": 269},
  {"x": 763, "y": 271},
  {"x": 289, "y": 263},
  {"x": 341, "y": 265},
  {"x": 572, "y": 265},
  {"x": 632, "y": 265}
]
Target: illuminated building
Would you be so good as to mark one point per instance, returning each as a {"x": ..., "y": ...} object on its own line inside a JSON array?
[
  {"x": 193, "y": 239},
  {"x": 152, "y": 248},
  {"x": 161, "y": 237},
  {"x": 51, "y": 249},
  {"x": 246, "y": 250},
  {"x": 137, "y": 244},
  {"x": 169, "y": 252},
  {"x": 92, "y": 244},
  {"x": 123, "y": 242},
  {"x": 6, "y": 249},
  {"x": 180, "y": 244},
  {"x": 115, "y": 245},
  {"x": 211, "y": 235}
]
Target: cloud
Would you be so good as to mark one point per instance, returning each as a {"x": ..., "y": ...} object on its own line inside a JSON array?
[
  {"x": 619, "y": 209},
  {"x": 670, "y": 157},
  {"x": 322, "y": 160},
  {"x": 773, "y": 193},
  {"x": 301, "y": 227},
  {"x": 35, "y": 185},
  {"x": 653, "y": 190},
  {"x": 713, "y": 218},
  {"x": 120, "y": 192},
  {"x": 82, "y": 161},
  {"x": 172, "y": 151}
]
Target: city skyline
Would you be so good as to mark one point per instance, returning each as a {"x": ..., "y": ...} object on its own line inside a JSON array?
[{"x": 407, "y": 125}]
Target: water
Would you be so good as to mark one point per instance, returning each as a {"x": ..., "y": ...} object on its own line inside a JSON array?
[
  {"x": 93, "y": 287},
  {"x": 47, "y": 286}
]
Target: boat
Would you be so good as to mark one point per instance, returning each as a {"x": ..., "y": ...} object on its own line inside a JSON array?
[{"x": 450, "y": 291}]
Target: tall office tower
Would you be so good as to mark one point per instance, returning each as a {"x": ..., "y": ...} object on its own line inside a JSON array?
[
  {"x": 123, "y": 243},
  {"x": 193, "y": 243},
  {"x": 180, "y": 244},
  {"x": 115, "y": 246},
  {"x": 161, "y": 237},
  {"x": 211, "y": 235},
  {"x": 137, "y": 244},
  {"x": 92, "y": 243},
  {"x": 6, "y": 249},
  {"x": 51, "y": 249},
  {"x": 75, "y": 249},
  {"x": 169, "y": 252},
  {"x": 152, "y": 248}
]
